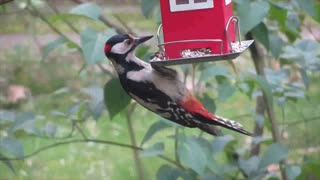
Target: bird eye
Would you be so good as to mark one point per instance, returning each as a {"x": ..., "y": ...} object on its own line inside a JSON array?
[{"x": 128, "y": 41}]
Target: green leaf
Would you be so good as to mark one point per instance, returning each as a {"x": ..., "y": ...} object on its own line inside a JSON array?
[
  {"x": 90, "y": 10},
  {"x": 293, "y": 172},
  {"x": 265, "y": 87},
  {"x": 305, "y": 78},
  {"x": 274, "y": 154},
  {"x": 12, "y": 146},
  {"x": 249, "y": 166},
  {"x": 213, "y": 71},
  {"x": 292, "y": 27},
  {"x": 317, "y": 6},
  {"x": 82, "y": 112},
  {"x": 209, "y": 176},
  {"x": 51, "y": 46},
  {"x": 7, "y": 163},
  {"x": 62, "y": 90},
  {"x": 74, "y": 109},
  {"x": 276, "y": 44},
  {"x": 220, "y": 142},
  {"x": 50, "y": 130},
  {"x": 66, "y": 17},
  {"x": 7, "y": 117},
  {"x": 307, "y": 6},
  {"x": 96, "y": 109},
  {"x": 166, "y": 172},
  {"x": 208, "y": 102},
  {"x": 3, "y": 8},
  {"x": 247, "y": 86},
  {"x": 192, "y": 155},
  {"x": 261, "y": 140},
  {"x": 310, "y": 169},
  {"x": 95, "y": 92},
  {"x": 96, "y": 105},
  {"x": 251, "y": 14},
  {"x": 115, "y": 98},
  {"x": 278, "y": 13},
  {"x": 155, "y": 150},
  {"x": 148, "y": 7},
  {"x": 25, "y": 122},
  {"x": 261, "y": 33},
  {"x": 143, "y": 53},
  {"x": 304, "y": 52},
  {"x": 225, "y": 90},
  {"x": 58, "y": 113},
  {"x": 92, "y": 44},
  {"x": 153, "y": 129}
]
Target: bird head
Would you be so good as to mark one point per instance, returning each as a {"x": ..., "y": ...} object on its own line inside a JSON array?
[{"x": 123, "y": 44}]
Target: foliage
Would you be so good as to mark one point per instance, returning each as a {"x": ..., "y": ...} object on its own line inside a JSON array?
[{"x": 274, "y": 24}]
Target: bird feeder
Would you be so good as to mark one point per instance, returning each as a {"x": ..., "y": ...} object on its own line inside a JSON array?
[{"x": 196, "y": 31}]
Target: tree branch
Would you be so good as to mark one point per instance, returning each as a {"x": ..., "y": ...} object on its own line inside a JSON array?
[
  {"x": 4, "y": 1},
  {"x": 257, "y": 58}
]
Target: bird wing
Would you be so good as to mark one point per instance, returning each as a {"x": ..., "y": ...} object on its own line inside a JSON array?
[
  {"x": 158, "y": 102},
  {"x": 166, "y": 72}
]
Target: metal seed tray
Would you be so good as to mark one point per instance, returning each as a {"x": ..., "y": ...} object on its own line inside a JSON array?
[{"x": 237, "y": 47}]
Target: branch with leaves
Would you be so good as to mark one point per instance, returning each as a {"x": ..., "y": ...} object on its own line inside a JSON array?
[{"x": 74, "y": 141}]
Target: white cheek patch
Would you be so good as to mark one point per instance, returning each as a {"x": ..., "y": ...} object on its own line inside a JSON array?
[{"x": 120, "y": 48}]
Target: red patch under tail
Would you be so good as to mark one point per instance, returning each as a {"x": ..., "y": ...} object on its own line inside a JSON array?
[{"x": 194, "y": 106}]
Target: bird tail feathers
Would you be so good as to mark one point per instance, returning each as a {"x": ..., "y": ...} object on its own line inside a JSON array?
[{"x": 230, "y": 124}]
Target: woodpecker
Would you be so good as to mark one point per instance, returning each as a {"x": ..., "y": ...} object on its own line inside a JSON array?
[{"x": 159, "y": 89}]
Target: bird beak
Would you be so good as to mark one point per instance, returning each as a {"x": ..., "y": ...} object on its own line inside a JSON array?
[{"x": 143, "y": 39}]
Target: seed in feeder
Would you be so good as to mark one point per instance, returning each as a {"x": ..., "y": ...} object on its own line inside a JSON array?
[
  {"x": 158, "y": 56},
  {"x": 191, "y": 53},
  {"x": 238, "y": 47}
]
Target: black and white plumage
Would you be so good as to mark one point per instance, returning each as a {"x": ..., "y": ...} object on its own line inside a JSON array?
[{"x": 159, "y": 89}]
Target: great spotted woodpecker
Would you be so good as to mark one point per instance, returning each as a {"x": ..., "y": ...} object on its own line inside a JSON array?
[{"x": 159, "y": 88}]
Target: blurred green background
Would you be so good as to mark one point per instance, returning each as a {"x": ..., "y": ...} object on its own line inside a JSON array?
[{"x": 63, "y": 114}]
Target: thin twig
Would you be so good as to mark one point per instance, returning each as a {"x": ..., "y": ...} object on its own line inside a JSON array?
[
  {"x": 172, "y": 161},
  {"x": 105, "y": 20},
  {"x": 33, "y": 10},
  {"x": 70, "y": 142},
  {"x": 128, "y": 29},
  {"x": 317, "y": 118},
  {"x": 56, "y": 11},
  {"x": 137, "y": 159},
  {"x": 67, "y": 136},
  {"x": 84, "y": 136}
]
